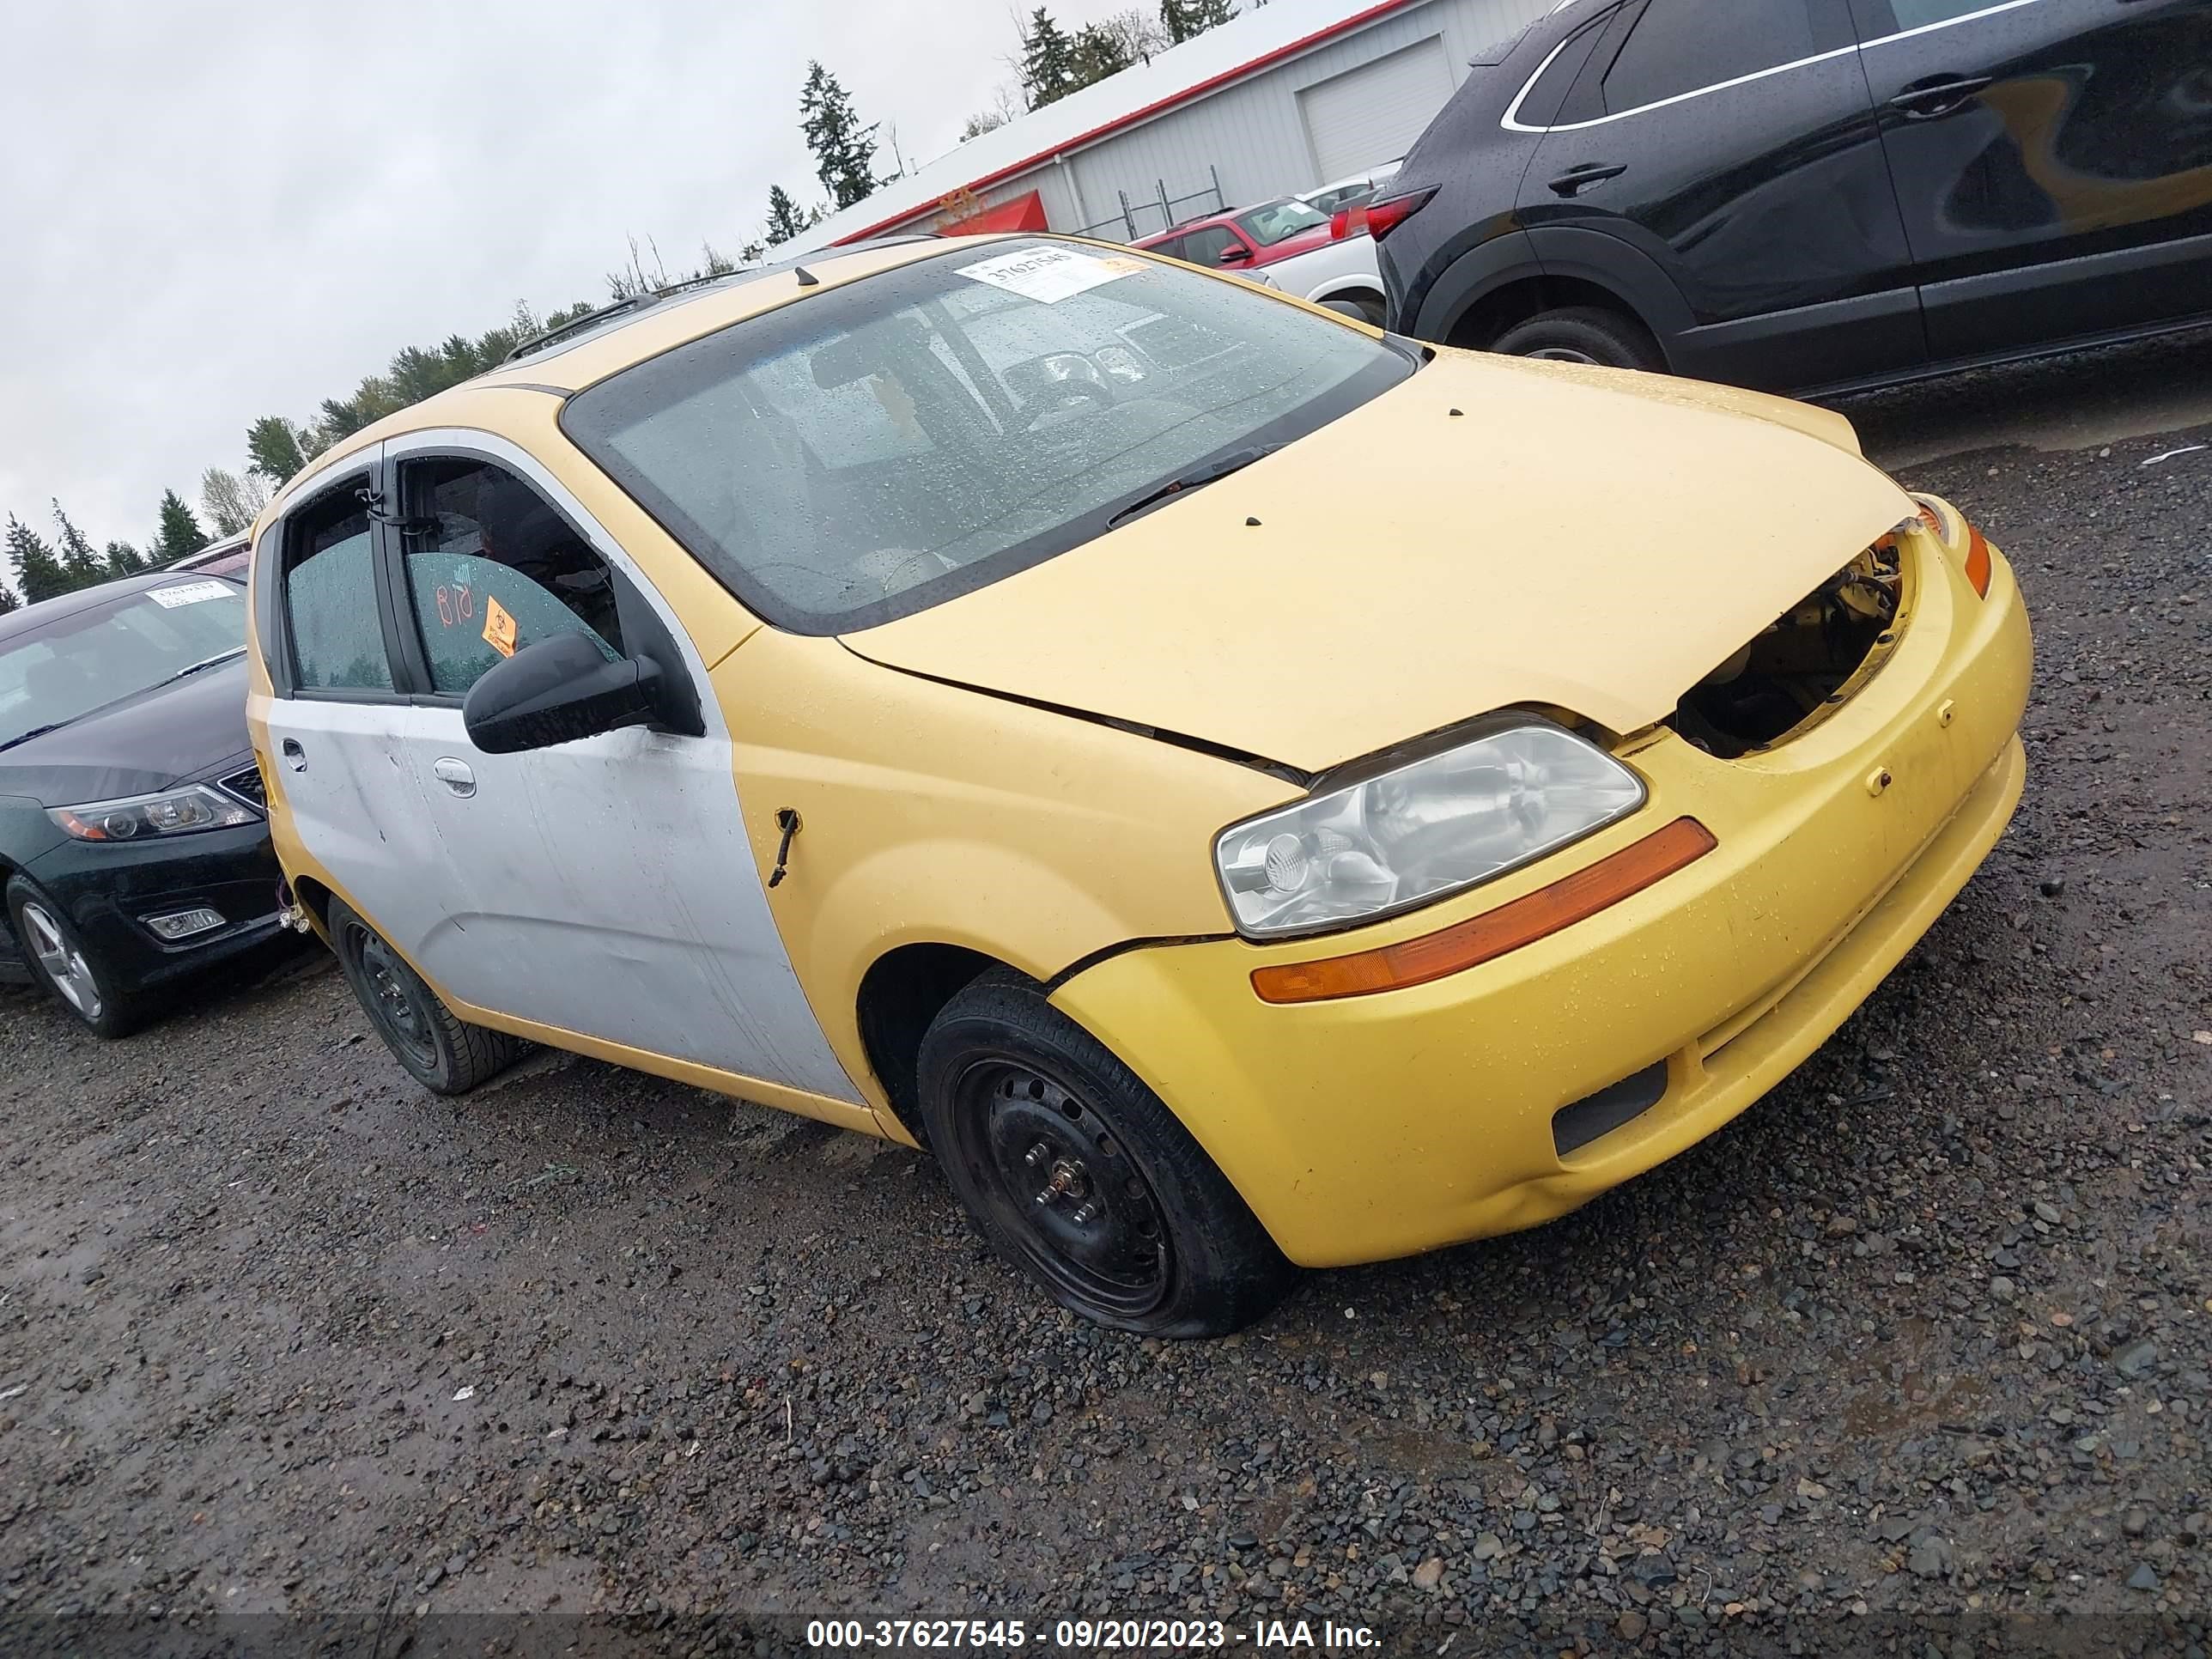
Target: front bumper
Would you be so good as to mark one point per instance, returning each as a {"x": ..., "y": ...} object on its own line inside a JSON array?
[
  {"x": 107, "y": 890},
  {"x": 1380, "y": 1126}
]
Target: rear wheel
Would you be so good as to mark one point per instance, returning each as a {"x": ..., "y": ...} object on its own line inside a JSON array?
[
  {"x": 444, "y": 1053},
  {"x": 1079, "y": 1176},
  {"x": 61, "y": 961},
  {"x": 1367, "y": 310},
  {"x": 1583, "y": 334}
]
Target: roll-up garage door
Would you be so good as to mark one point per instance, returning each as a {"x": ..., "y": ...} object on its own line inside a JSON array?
[{"x": 1373, "y": 114}]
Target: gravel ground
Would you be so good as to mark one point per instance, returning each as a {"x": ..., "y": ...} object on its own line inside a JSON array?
[{"x": 1926, "y": 1333}]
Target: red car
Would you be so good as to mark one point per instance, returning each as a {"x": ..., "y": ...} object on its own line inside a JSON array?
[{"x": 1335, "y": 264}]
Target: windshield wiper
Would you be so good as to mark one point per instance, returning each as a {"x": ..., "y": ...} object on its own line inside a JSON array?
[
  {"x": 35, "y": 732},
  {"x": 194, "y": 668},
  {"x": 1219, "y": 468}
]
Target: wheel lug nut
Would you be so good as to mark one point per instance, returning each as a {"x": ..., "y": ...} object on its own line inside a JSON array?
[
  {"x": 1088, "y": 1212},
  {"x": 1037, "y": 1154}
]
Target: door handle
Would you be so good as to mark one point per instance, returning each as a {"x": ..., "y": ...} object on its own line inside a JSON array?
[
  {"x": 1938, "y": 95},
  {"x": 455, "y": 776},
  {"x": 294, "y": 757},
  {"x": 1576, "y": 178}
]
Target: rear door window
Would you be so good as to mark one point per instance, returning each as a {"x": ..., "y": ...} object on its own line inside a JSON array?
[
  {"x": 1679, "y": 46},
  {"x": 1880, "y": 18},
  {"x": 330, "y": 596}
]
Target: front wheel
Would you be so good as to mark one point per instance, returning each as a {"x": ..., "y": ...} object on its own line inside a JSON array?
[
  {"x": 1079, "y": 1176},
  {"x": 444, "y": 1053},
  {"x": 62, "y": 963},
  {"x": 1583, "y": 334}
]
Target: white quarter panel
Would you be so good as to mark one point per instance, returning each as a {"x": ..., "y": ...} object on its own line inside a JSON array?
[{"x": 606, "y": 887}]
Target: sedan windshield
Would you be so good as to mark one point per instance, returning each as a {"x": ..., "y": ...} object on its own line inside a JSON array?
[
  {"x": 1278, "y": 221},
  {"x": 87, "y": 658},
  {"x": 873, "y": 450}
]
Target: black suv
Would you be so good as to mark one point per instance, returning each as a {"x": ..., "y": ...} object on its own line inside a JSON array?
[{"x": 1814, "y": 195}]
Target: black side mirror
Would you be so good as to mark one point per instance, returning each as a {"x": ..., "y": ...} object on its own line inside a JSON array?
[
  {"x": 1235, "y": 254},
  {"x": 557, "y": 691}
]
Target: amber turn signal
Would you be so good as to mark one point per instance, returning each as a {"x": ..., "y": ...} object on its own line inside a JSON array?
[
  {"x": 1977, "y": 561},
  {"x": 1523, "y": 921}
]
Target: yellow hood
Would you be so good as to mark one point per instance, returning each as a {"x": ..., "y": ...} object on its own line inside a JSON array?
[{"x": 1493, "y": 532}]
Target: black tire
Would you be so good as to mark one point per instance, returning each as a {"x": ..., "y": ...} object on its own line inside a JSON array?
[
  {"x": 442, "y": 1052},
  {"x": 68, "y": 970},
  {"x": 1367, "y": 310},
  {"x": 1583, "y": 334},
  {"x": 1140, "y": 1231}
]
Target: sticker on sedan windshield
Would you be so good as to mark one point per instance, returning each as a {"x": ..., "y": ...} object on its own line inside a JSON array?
[
  {"x": 1049, "y": 275},
  {"x": 191, "y": 593},
  {"x": 499, "y": 627}
]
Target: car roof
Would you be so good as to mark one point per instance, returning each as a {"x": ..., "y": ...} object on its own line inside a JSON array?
[
  {"x": 31, "y": 618},
  {"x": 622, "y": 335},
  {"x": 222, "y": 548}
]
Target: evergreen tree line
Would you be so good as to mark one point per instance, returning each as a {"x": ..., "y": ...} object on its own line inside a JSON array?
[{"x": 45, "y": 568}]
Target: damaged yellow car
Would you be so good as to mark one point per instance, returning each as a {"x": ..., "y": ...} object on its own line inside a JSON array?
[{"x": 1241, "y": 789}]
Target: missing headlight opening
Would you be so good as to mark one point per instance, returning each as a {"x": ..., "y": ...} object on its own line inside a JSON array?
[{"x": 1803, "y": 663}]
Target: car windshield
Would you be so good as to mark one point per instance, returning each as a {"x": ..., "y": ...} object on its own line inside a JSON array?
[
  {"x": 87, "y": 658},
  {"x": 1278, "y": 221},
  {"x": 886, "y": 445}
]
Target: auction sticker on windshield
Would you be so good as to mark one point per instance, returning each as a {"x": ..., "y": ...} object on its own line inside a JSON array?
[
  {"x": 1048, "y": 274},
  {"x": 192, "y": 594}
]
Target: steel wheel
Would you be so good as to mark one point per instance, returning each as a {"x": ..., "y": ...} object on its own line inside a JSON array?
[
  {"x": 1053, "y": 1174},
  {"x": 62, "y": 963},
  {"x": 1079, "y": 1176},
  {"x": 400, "y": 1017},
  {"x": 1564, "y": 355}
]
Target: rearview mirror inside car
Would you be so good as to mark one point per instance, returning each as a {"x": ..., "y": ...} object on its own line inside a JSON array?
[{"x": 557, "y": 691}]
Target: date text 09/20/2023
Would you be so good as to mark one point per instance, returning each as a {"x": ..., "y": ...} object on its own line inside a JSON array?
[{"x": 1081, "y": 1635}]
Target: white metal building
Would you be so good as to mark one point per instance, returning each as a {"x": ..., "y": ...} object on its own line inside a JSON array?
[{"x": 1283, "y": 97}]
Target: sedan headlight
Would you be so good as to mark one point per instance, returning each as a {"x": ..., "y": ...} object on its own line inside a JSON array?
[
  {"x": 140, "y": 818},
  {"x": 1388, "y": 842}
]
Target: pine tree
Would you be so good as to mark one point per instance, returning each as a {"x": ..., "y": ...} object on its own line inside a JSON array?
[
  {"x": 272, "y": 449},
  {"x": 78, "y": 560},
  {"x": 38, "y": 571},
  {"x": 8, "y": 599},
  {"x": 124, "y": 560},
  {"x": 180, "y": 534},
  {"x": 1184, "y": 18},
  {"x": 1047, "y": 68},
  {"x": 785, "y": 221},
  {"x": 1097, "y": 54},
  {"x": 844, "y": 150}
]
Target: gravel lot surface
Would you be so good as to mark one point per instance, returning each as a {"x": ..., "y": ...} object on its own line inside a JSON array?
[{"x": 1927, "y": 1332}]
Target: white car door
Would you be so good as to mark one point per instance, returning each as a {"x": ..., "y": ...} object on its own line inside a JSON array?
[
  {"x": 604, "y": 887},
  {"x": 336, "y": 717}
]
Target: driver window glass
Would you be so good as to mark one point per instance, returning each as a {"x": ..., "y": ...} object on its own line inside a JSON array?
[
  {"x": 1203, "y": 247},
  {"x": 498, "y": 548},
  {"x": 329, "y": 596}
]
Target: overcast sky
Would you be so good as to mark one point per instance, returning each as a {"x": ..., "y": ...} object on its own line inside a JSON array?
[{"x": 216, "y": 210}]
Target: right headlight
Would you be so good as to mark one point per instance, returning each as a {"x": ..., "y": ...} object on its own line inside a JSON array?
[{"x": 1388, "y": 842}]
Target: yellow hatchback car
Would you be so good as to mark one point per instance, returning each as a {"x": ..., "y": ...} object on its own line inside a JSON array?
[{"x": 1242, "y": 789}]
